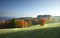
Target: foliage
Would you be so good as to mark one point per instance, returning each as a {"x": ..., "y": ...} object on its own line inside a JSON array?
[
  {"x": 13, "y": 23},
  {"x": 22, "y": 23},
  {"x": 1, "y": 24},
  {"x": 42, "y": 21},
  {"x": 18, "y": 23},
  {"x": 30, "y": 23},
  {"x": 7, "y": 24}
]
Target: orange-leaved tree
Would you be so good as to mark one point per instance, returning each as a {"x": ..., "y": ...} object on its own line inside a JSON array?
[
  {"x": 42, "y": 21},
  {"x": 22, "y": 23}
]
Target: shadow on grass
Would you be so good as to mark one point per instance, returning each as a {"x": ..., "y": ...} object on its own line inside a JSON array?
[{"x": 38, "y": 33}]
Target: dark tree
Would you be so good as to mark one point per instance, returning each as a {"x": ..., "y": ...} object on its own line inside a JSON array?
[{"x": 12, "y": 23}]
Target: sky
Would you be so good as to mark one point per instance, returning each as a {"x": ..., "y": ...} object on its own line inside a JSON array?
[{"x": 29, "y": 8}]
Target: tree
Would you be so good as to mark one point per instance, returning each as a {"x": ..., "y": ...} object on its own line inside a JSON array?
[
  {"x": 42, "y": 21},
  {"x": 7, "y": 24},
  {"x": 30, "y": 23},
  {"x": 22, "y": 23},
  {"x": 13, "y": 23}
]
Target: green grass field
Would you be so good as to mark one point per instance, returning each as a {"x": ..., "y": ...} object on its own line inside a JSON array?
[{"x": 51, "y": 30}]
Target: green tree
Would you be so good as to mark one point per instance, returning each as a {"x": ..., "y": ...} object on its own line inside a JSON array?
[{"x": 13, "y": 23}]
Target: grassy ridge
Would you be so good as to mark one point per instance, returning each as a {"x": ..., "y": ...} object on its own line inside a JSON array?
[{"x": 51, "y": 30}]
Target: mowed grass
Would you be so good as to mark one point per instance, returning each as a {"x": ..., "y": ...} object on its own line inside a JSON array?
[{"x": 51, "y": 30}]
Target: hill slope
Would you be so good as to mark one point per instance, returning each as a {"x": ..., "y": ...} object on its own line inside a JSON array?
[{"x": 51, "y": 30}]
